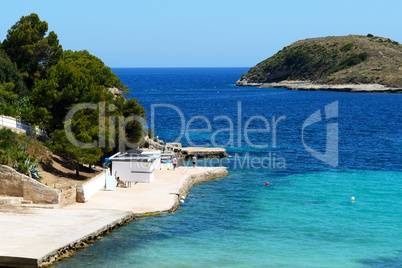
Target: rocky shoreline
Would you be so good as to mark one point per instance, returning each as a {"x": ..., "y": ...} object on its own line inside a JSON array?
[
  {"x": 185, "y": 153},
  {"x": 306, "y": 85}
]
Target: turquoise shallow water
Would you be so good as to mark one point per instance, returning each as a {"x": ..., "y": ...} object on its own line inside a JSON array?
[
  {"x": 305, "y": 217},
  {"x": 305, "y": 220}
]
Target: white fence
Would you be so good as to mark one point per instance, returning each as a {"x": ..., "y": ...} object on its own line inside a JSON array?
[
  {"x": 19, "y": 126},
  {"x": 11, "y": 122},
  {"x": 93, "y": 186}
]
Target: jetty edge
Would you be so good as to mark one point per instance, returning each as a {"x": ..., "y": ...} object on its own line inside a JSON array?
[
  {"x": 36, "y": 237},
  {"x": 198, "y": 178}
]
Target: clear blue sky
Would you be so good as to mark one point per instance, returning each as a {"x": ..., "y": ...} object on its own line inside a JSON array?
[{"x": 201, "y": 33}]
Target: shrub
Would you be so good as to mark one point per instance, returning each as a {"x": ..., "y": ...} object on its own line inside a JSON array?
[
  {"x": 370, "y": 35},
  {"x": 21, "y": 152},
  {"x": 347, "y": 47},
  {"x": 34, "y": 172},
  {"x": 22, "y": 168}
]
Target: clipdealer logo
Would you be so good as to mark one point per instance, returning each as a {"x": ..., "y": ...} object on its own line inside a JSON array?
[
  {"x": 331, "y": 154},
  {"x": 244, "y": 132}
]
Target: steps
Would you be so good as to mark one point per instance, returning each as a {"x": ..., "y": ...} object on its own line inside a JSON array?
[
  {"x": 10, "y": 200},
  {"x": 47, "y": 206},
  {"x": 21, "y": 202}
]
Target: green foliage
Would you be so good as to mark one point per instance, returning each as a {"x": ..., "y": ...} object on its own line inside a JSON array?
[
  {"x": 347, "y": 47},
  {"x": 6, "y": 95},
  {"x": 296, "y": 59},
  {"x": 82, "y": 78},
  {"x": 93, "y": 67},
  {"x": 58, "y": 81},
  {"x": 28, "y": 46},
  {"x": 79, "y": 155},
  {"x": 370, "y": 35},
  {"x": 336, "y": 60},
  {"x": 24, "y": 109},
  {"x": 34, "y": 172},
  {"x": 131, "y": 107},
  {"x": 134, "y": 131},
  {"x": 354, "y": 59},
  {"x": 9, "y": 74},
  {"x": 77, "y": 78},
  {"x": 22, "y": 168},
  {"x": 22, "y": 152}
]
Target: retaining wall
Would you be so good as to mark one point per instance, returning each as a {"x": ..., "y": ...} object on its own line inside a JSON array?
[
  {"x": 13, "y": 183},
  {"x": 91, "y": 187}
]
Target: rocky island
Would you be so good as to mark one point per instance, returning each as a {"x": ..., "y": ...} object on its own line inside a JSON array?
[{"x": 339, "y": 63}]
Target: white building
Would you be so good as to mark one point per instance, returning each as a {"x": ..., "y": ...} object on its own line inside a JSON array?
[{"x": 136, "y": 165}]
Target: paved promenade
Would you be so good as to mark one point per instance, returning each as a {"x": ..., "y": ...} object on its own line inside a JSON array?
[
  {"x": 159, "y": 196},
  {"x": 34, "y": 237}
]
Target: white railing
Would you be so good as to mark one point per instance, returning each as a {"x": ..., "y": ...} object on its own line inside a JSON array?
[
  {"x": 20, "y": 126},
  {"x": 11, "y": 122}
]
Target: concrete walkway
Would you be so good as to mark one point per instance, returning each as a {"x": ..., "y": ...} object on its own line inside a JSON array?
[
  {"x": 161, "y": 195},
  {"x": 35, "y": 237}
]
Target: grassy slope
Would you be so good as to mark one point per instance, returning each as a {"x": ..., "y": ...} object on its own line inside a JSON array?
[{"x": 353, "y": 59}]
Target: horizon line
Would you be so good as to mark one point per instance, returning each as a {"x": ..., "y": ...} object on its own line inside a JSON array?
[{"x": 185, "y": 67}]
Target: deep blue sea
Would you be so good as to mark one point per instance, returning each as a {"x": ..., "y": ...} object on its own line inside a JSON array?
[{"x": 305, "y": 217}]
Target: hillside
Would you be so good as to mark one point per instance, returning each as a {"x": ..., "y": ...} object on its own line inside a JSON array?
[
  {"x": 41, "y": 84},
  {"x": 334, "y": 60}
]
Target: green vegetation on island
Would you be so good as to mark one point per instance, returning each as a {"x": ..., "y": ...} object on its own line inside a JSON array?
[
  {"x": 40, "y": 83},
  {"x": 353, "y": 59}
]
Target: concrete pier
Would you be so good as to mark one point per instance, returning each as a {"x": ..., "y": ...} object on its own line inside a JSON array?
[
  {"x": 161, "y": 195},
  {"x": 37, "y": 237}
]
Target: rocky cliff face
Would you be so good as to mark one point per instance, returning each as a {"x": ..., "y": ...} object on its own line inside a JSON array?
[
  {"x": 154, "y": 143},
  {"x": 352, "y": 59}
]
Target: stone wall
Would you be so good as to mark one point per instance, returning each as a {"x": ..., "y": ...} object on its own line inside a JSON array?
[
  {"x": 13, "y": 183},
  {"x": 68, "y": 197}
]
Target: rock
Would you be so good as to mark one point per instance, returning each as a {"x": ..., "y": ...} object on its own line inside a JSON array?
[
  {"x": 189, "y": 152},
  {"x": 152, "y": 144},
  {"x": 115, "y": 91},
  {"x": 186, "y": 152}
]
